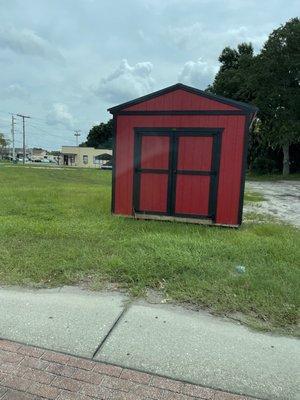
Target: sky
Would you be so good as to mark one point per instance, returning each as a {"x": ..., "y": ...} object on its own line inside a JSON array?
[{"x": 64, "y": 62}]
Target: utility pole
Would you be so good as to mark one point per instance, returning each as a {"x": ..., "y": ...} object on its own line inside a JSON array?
[
  {"x": 24, "y": 149},
  {"x": 77, "y": 134},
  {"x": 13, "y": 136}
]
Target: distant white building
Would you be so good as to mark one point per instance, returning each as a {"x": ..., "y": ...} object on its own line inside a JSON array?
[{"x": 37, "y": 154}]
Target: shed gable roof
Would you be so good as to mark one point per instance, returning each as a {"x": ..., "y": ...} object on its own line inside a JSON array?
[{"x": 179, "y": 97}]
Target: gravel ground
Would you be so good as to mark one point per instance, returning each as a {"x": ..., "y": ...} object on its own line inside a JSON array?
[{"x": 282, "y": 200}]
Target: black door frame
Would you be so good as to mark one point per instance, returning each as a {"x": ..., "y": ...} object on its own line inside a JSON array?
[{"x": 174, "y": 134}]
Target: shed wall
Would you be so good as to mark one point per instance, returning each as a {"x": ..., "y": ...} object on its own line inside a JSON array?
[
  {"x": 231, "y": 162},
  {"x": 179, "y": 100}
]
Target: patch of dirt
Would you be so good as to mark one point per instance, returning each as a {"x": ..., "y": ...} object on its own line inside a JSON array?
[{"x": 282, "y": 200}]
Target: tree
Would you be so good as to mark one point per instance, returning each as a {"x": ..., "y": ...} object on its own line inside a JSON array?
[
  {"x": 277, "y": 89},
  {"x": 100, "y": 136},
  {"x": 235, "y": 80},
  {"x": 3, "y": 144},
  {"x": 235, "y": 74},
  {"x": 271, "y": 81}
]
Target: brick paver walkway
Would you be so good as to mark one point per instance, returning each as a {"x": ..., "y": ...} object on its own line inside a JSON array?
[{"x": 29, "y": 373}]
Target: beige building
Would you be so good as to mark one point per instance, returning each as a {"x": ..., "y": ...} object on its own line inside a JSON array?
[{"x": 87, "y": 157}]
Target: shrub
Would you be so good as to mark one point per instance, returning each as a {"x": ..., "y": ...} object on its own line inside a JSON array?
[{"x": 264, "y": 165}]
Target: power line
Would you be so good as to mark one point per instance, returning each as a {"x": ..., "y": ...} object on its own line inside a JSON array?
[
  {"x": 38, "y": 122},
  {"x": 6, "y": 112},
  {"x": 42, "y": 129},
  {"x": 41, "y": 126},
  {"x": 47, "y": 132},
  {"x": 24, "y": 148}
]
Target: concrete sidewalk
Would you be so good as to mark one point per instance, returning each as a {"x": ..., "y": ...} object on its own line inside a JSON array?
[{"x": 189, "y": 346}]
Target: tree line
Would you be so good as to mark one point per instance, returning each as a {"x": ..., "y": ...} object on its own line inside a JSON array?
[{"x": 270, "y": 80}]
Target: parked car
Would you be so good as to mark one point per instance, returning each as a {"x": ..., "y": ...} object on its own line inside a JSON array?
[
  {"x": 20, "y": 160},
  {"x": 107, "y": 165}
]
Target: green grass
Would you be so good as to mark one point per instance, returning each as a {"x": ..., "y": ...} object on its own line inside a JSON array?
[
  {"x": 56, "y": 228},
  {"x": 273, "y": 177},
  {"x": 253, "y": 197}
]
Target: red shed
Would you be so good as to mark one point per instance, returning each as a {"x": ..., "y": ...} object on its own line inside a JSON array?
[{"x": 180, "y": 154}]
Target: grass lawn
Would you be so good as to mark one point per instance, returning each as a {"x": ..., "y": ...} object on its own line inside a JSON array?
[
  {"x": 56, "y": 228},
  {"x": 253, "y": 197},
  {"x": 273, "y": 177}
]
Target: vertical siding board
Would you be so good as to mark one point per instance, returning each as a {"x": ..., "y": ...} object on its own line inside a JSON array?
[
  {"x": 230, "y": 171},
  {"x": 124, "y": 168}
]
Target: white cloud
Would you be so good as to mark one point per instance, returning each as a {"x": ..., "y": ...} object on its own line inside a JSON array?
[
  {"x": 242, "y": 34},
  {"x": 186, "y": 37},
  {"x": 15, "y": 90},
  {"x": 197, "y": 73},
  {"x": 26, "y": 41},
  {"x": 197, "y": 36},
  {"x": 126, "y": 82},
  {"x": 60, "y": 115}
]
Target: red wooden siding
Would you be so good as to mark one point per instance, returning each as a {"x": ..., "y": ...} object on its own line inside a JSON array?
[
  {"x": 230, "y": 163},
  {"x": 155, "y": 152},
  {"x": 153, "y": 192},
  {"x": 154, "y": 186},
  {"x": 192, "y": 191},
  {"x": 179, "y": 100},
  {"x": 197, "y": 188},
  {"x": 195, "y": 153}
]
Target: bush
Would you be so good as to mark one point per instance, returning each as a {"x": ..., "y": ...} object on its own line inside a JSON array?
[{"x": 264, "y": 165}]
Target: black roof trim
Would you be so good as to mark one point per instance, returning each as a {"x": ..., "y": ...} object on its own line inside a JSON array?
[{"x": 247, "y": 108}]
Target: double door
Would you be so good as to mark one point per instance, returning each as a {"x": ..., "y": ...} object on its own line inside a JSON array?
[{"x": 176, "y": 171}]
